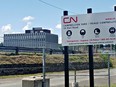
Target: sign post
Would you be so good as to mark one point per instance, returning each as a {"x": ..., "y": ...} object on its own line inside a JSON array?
[
  {"x": 66, "y": 60},
  {"x": 91, "y": 65},
  {"x": 108, "y": 69}
]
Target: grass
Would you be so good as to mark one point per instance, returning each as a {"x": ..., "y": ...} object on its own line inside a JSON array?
[
  {"x": 113, "y": 61},
  {"x": 20, "y": 76},
  {"x": 112, "y": 85},
  {"x": 31, "y": 58},
  {"x": 27, "y": 75}
]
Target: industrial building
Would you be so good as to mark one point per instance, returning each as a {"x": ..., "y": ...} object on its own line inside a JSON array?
[{"x": 35, "y": 38}]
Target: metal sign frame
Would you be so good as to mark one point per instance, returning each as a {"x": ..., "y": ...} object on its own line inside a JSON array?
[
  {"x": 89, "y": 29},
  {"x": 91, "y": 67}
]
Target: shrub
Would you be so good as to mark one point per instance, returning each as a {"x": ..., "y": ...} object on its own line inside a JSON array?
[{"x": 105, "y": 59}]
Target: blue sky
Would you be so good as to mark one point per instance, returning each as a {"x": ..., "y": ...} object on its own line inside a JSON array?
[{"x": 19, "y": 15}]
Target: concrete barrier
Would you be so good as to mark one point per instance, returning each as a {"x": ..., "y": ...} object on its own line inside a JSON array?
[
  {"x": 75, "y": 84},
  {"x": 34, "y": 82}
]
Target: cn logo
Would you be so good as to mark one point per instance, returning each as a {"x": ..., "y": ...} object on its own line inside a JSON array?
[{"x": 67, "y": 20}]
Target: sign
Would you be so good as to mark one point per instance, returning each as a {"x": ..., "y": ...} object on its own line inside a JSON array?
[{"x": 89, "y": 29}]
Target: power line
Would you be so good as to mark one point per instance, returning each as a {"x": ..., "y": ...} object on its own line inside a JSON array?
[{"x": 55, "y": 6}]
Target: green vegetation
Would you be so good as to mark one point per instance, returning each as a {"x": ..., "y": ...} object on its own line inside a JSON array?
[
  {"x": 112, "y": 85},
  {"x": 104, "y": 57},
  {"x": 112, "y": 60},
  {"x": 78, "y": 58}
]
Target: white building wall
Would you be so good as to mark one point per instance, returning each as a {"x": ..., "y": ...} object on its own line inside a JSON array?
[{"x": 31, "y": 40}]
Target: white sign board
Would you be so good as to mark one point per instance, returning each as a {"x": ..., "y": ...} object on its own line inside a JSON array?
[{"x": 89, "y": 29}]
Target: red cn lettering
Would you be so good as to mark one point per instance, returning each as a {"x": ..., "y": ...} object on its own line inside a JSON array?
[{"x": 67, "y": 20}]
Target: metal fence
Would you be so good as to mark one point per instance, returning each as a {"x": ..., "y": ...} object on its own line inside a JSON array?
[{"x": 104, "y": 76}]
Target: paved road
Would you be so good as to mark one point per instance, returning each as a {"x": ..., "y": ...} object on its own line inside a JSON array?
[
  {"x": 57, "y": 79},
  {"x": 11, "y": 82},
  {"x": 84, "y": 78}
]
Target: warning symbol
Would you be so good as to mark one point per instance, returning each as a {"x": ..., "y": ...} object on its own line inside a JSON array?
[
  {"x": 82, "y": 32},
  {"x": 97, "y": 31},
  {"x": 69, "y": 33},
  {"x": 112, "y": 30}
]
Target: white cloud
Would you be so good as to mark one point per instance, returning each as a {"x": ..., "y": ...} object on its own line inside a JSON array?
[
  {"x": 5, "y": 29},
  {"x": 58, "y": 26},
  {"x": 27, "y": 26},
  {"x": 28, "y": 18}
]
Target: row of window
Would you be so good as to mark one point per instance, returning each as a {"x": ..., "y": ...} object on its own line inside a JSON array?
[
  {"x": 27, "y": 34},
  {"x": 24, "y": 37},
  {"x": 25, "y": 40},
  {"x": 31, "y": 45},
  {"x": 25, "y": 44}
]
